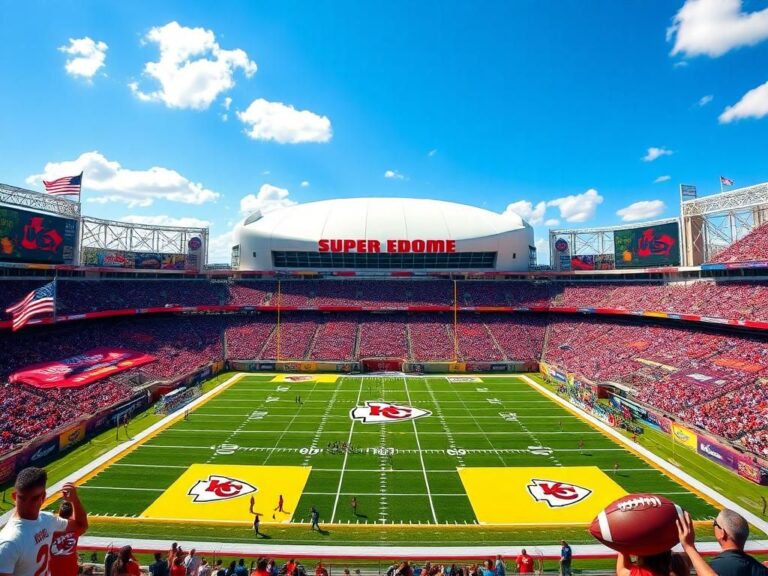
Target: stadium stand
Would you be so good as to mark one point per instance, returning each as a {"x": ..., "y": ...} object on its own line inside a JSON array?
[
  {"x": 754, "y": 246},
  {"x": 711, "y": 380}
]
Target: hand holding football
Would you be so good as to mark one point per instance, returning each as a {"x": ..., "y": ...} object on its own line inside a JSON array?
[{"x": 638, "y": 524}]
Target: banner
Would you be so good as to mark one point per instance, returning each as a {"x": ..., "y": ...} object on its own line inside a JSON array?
[
  {"x": 80, "y": 370},
  {"x": 464, "y": 379},
  {"x": 731, "y": 459},
  {"x": 71, "y": 436},
  {"x": 39, "y": 453},
  {"x": 173, "y": 262},
  {"x": 586, "y": 262},
  {"x": 195, "y": 251},
  {"x": 7, "y": 468},
  {"x": 604, "y": 262},
  {"x": 682, "y": 435},
  {"x": 148, "y": 260},
  {"x": 457, "y": 367},
  {"x": 647, "y": 246},
  {"x": 32, "y": 237}
]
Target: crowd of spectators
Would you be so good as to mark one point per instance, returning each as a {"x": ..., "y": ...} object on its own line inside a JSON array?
[
  {"x": 753, "y": 246},
  {"x": 712, "y": 380},
  {"x": 732, "y": 300}
]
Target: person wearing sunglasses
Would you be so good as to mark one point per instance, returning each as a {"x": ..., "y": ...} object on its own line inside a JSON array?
[{"x": 731, "y": 531}]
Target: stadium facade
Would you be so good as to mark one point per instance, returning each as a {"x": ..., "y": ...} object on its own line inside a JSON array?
[{"x": 375, "y": 234}]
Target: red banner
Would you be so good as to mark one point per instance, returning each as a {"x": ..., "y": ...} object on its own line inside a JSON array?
[{"x": 80, "y": 370}]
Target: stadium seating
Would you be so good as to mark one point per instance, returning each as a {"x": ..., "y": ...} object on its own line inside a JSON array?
[
  {"x": 754, "y": 246},
  {"x": 336, "y": 338},
  {"x": 431, "y": 337},
  {"x": 383, "y": 337}
]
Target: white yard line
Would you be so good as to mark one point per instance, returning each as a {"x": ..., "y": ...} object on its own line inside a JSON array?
[
  {"x": 296, "y": 414},
  {"x": 657, "y": 460},
  {"x": 421, "y": 456},
  {"x": 140, "y": 437},
  {"x": 346, "y": 455}
]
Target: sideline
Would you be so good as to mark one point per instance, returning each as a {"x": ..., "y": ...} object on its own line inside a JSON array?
[
  {"x": 322, "y": 551},
  {"x": 657, "y": 460},
  {"x": 121, "y": 449}
]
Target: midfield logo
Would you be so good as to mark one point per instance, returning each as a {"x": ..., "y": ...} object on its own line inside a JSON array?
[
  {"x": 557, "y": 494},
  {"x": 383, "y": 412},
  {"x": 219, "y": 488}
]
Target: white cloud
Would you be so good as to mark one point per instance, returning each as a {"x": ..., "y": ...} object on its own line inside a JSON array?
[
  {"x": 578, "y": 207},
  {"x": 643, "y": 210},
  {"x": 527, "y": 211},
  {"x": 654, "y": 153},
  {"x": 393, "y": 175},
  {"x": 107, "y": 181},
  {"x": 552, "y": 222},
  {"x": 680, "y": 64},
  {"x": 305, "y": 184},
  {"x": 86, "y": 57},
  {"x": 220, "y": 246},
  {"x": 704, "y": 100},
  {"x": 269, "y": 198},
  {"x": 432, "y": 153},
  {"x": 754, "y": 104},
  {"x": 661, "y": 179},
  {"x": 162, "y": 220},
  {"x": 284, "y": 124},
  {"x": 713, "y": 27},
  {"x": 193, "y": 70},
  {"x": 226, "y": 104}
]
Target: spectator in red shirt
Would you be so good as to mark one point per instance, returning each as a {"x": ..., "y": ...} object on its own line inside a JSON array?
[
  {"x": 524, "y": 563},
  {"x": 320, "y": 570},
  {"x": 261, "y": 568},
  {"x": 126, "y": 564},
  {"x": 178, "y": 568},
  {"x": 63, "y": 554},
  {"x": 656, "y": 565}
]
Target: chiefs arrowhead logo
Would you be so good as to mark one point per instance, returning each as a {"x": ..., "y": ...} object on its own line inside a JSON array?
[
  {"x": 219, "y": 488},
  {"x": 383, "y": 412},
  {"x": 557, "y": 494},
  {"x": 64, "y": 544}
]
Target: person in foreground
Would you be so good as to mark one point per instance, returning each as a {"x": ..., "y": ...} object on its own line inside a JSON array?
[
  {"x": 25, "y": 540},
  {"x": 731, "y": 532},
  {"x": 655, "y": 565}
]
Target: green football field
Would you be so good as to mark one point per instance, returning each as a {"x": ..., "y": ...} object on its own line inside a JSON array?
[{"x": 495, "y": 451}]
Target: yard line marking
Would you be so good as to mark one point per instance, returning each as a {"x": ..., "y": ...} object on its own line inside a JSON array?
[
  {"x": 287, "y": 431},
  {"x": 441, "y": 417},
  {"x": 277, "y": 442},
  {"x": 421, "y": 456},
  {"x": 323, "y": 420},
  {"x": 399, "y": 494},
  {"x": 346, "y": 455},
  {"x": 149, "y": 465},
  {"x": 89, "y": 487},
  {"x": 487, "y": 439}
]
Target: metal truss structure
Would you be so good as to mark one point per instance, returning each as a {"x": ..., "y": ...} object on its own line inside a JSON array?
[
  {"x": 713, "y": 223},
  {"x": 592, "y": 241},
  {"x": 129, "y": 237},
  {"x": 22, "y": 198}
]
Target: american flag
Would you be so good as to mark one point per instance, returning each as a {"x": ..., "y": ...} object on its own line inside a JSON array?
[
  {"x": 66, "y": 186},
  {"x": 726, "y": 181},
  {"x": 40, "y": 301}
]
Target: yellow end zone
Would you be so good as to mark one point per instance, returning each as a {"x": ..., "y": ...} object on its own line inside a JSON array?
[
  {"x": 214, "y": 492},
  {"x": 553, "y": 495},
  {"x": 298, "y": 378}
]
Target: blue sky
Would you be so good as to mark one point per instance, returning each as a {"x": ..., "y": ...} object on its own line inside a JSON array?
[{"x": 564, "y": 114}]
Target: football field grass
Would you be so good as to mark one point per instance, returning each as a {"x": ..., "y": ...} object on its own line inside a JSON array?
[{"x": 493, "y": 452}]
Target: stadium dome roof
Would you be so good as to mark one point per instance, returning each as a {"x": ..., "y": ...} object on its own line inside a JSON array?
[{"x": 407, "y": 218}]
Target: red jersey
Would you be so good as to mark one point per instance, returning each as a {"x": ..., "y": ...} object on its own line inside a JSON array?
[
  {"x": 524, "y": 564},
  {"x": 63, "y": 559},
  {"x": 178, "y": 570}
]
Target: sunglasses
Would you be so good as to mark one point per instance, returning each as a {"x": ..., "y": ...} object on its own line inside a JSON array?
[{"x": 716, "y": 525}]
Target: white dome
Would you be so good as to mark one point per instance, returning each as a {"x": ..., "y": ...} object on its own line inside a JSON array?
[
  {"x": 406, "y": 218},
  {"x": 301, "y": 227}
]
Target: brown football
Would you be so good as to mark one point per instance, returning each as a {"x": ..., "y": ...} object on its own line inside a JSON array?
[{"x": 638, "y": 524}]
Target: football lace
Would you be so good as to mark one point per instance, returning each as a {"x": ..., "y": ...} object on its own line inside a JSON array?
[{"x": 641, "y": 502}]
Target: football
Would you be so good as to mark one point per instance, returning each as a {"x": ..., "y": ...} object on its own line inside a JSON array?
[{"x": 638, "y": 524}]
